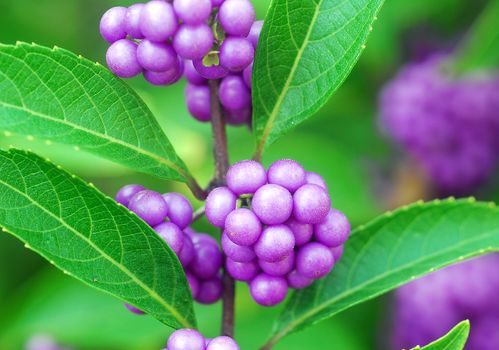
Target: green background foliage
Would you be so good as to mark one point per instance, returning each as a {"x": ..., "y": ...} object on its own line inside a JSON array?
[{"x": 341, "y": 142}]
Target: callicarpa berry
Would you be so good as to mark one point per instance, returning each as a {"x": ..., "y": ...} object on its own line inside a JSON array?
[
  {"x": 192, "y": 75},
  {"x": 132, "y": 21},
  {"x": 236, "y": 53},
  {"x": 219, "y": 203},
  {"x": 254, "y": 33},
  {"x": 246, "y": 177},
  {"x": 303, "y": 232},
  {"x": 242, "y": 271},
  {"x": 237, "y": 252},
  {"x": 315, "y": 179},
  {"x": 273, "y": 204},
  {"x": 193, "y": 41},
  {"x": 172, "y": 235},
  {"x": 234, "y": 94},
  {"x": 168, "y": 77},
  {"x": 179, "y": 209},
  {"x": 276, "y": 243},
  {"x": 243, "y": 227},
  {"x": 334, "y": 230},
  {"x": 156, "y": 57},
  {"x": 198, "y": 102},
  {"x": 247, "y": 75},
  {"x": 207, "y": 261},
  {"x": 314, "y": 260},
  {"x": 311, "y": 204},
  {"x": 122, "y": 60},
  {"x": 187, "y": 254},
  {"x": 237, "y": 17},
  {"x": 112, "y": 24},
  {"x": 133, "y": 309},
  {"x": 194, "y": 284},
  {"x": 158, "y": 21},
  {"x": 186, "y": 339},
  {"x": 268, "y": 290},
  {"x": 210, "y": 291},
  {"x": 288, "y": 174},
  {"x": 193, "y": 11},
  {"x": 297, "y": 281},
  {"x": 279, "y": 268},
  {"x": 337, "y": 252},
  {"x": 127, "y": 192},
  {"x": 150, "y": 206},
  {"x": 210, "y": 71},
  {"x": 222, "y": 343},
  {"x": 238, "y": 117}
]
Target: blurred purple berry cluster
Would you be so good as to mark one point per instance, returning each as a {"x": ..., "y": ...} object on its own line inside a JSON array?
[
  {"x": 170, "y": 216},
  {"x": 201, "y": 39},
  {"x": 279, "y": 228},
  {"x": 43, "y": 342},
  {"x": 429, "y": 307},
  {"x": 449, "y": 125},
  {"x": 190, "y": 339}
]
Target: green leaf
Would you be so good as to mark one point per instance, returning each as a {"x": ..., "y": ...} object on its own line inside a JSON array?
[
  {"x": 56, "y": 96},
  {"x": 481, "y": 47},
  {"x": 90, "y": 237},
  {"x": 390, "y": 251},
  {"x": 454, "y": 340},
  {"x": 307, "y": 49}
]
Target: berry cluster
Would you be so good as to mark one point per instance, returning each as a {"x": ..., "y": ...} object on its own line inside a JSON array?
[
  {"x": 190, "y": 339},
  {"x": 43, "y": 342},
  {"x": 202, "y": 39},
  {"x": 279, "y": 228},
  {"x": 448, "y": 125},
  {"x": 429, "y": 307},
  {"x": 170, "y": 216}
]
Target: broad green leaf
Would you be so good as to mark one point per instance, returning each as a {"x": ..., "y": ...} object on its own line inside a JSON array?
[
  {"x": 56, "y": 96},
  {"x": 90, "y": 237},
  {"x": 454, "y": 340},
  {"x": 306, "y": 50},
  {"x": 481, "y": 48},
  {"x": 390, "y": 251}
]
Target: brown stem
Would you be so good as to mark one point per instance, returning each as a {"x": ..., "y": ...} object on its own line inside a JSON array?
[
  {"x": 221, "y": 166},
  {"x": 196, "y": 190},
  {"x": 198, "y": 214}
]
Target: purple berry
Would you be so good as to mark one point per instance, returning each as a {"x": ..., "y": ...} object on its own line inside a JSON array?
[
  {"x": 156, "y": 57},
  {"x": 207, "y": 261},
  {"x": 302, "y": 232},
  {"x": 238, "y": 117},
  {"x": 112, "y": 24},
  {"x": 210, "y": 291},
  {"x": 179, "y": 209},
  {"x": 122, "y": 60},
  {"x": 216, "y": 3},
  {"x": 279, "y": 268},
  {"x": 237, "y": 252},
  {"x": 233, "y": 93},
  {"x": 311, "y": 204},
  {"x": 222, "y": 343},
  {"x": 127, "y": 192},
  {"x": 254, "y": 33},
  {"x": 288, "y": 174},
  {"x": 192, "y": 75},
  {"x": 172, "y": 235},
  {"x": 242, "y": 271},
  {"x": 198, "y": 238},
  {"x": 273, "y": 204},
  {"x": 297, "y": 281},
  {"x": 194, "y": 284},
  {"x": 187, "y": 254},
  {"x": 132, "y": 21},
  {"x": 315, "y": 179},
  {"x": 193, "y": 41},
  {"x": 150, "y": 206},
  {"x": 243, "y": 227},
  {"x": 220, "y": 202},
  {"x": 212, "y": 71},
  {"x": 168, "y": 77},
  {"x": 268, "y": 290},
  {"x": 246, "y": 177},
  {"x": 236, "y": 54},
  {"x": 133, "y": 309},
  {"x": 276, "y": 243},
  {"x": 186, "y": 339},
  {"x": 337, "y": 252},
  {"x": 192, "y": 11},
  {"x": 237, "y": 17},
  {"x": 314, "y": 260},
  {"x": 158, "y": 21},
  {"x": 334, "y": 230},
  {"x": 198, "y": 102},
  {"x": 247, "y": 74}
]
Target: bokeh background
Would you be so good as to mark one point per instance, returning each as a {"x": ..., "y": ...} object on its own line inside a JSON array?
[{"x": 366, "y": 175}]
